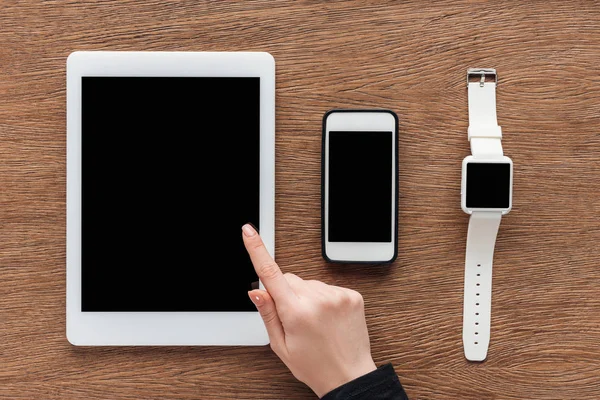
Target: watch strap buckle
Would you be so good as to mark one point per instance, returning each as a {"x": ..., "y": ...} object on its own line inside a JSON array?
[{"x": 481, "y": 74}]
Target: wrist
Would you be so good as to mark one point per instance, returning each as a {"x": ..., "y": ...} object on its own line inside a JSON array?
[{"x": 346, "y": 375}]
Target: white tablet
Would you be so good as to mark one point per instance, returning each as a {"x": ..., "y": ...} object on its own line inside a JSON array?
[{"x": 168, "y": 155}]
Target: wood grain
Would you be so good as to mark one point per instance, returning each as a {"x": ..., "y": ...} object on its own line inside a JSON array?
[{"x": 408, "y": 56}]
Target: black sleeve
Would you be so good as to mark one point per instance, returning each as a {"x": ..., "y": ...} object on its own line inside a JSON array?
[{"x": 381, "y": 384}]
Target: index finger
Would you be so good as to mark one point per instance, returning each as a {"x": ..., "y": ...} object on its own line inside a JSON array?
[{"x": 266, "y": 268}]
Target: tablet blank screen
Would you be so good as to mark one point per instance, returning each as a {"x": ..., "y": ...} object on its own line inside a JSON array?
[{"x": 170, "y": 173}]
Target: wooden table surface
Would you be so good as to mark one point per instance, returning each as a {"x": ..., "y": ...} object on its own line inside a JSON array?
[{"x": 408, "y": 56}]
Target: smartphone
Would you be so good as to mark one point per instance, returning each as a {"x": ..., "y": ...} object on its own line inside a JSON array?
[{"x": 359, "y": 186}]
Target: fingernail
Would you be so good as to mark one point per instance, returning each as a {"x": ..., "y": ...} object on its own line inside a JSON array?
[
  {"x": 248, "y": 230},
  {"x": 256, "y": 299}
]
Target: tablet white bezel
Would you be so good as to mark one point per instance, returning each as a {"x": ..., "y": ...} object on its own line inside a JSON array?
[{"x": 165, "y": 328}]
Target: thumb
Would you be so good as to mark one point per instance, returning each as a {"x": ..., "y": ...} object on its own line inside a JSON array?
[{"x": 266, "y": 308}]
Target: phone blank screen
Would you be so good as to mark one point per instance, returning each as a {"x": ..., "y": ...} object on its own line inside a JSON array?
[
  {"x": 170, "y": 173},
  {"x": 360, "y": 186}
]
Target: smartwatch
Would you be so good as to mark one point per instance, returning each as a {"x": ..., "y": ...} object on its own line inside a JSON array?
[{"x": 486, "y": 195}]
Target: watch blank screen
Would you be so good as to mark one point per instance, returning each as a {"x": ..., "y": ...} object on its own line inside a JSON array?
[
  {"x": 170, "y": 173},
  {"x": 360, "y": 186},
  {"x": 488, "y": 185}
]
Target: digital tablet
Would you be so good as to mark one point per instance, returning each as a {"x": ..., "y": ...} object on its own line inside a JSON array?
[{"x": 168, "y": 155}]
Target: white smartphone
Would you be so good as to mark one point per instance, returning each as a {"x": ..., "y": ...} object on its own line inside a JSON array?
[{"x": 359, "y": 186}]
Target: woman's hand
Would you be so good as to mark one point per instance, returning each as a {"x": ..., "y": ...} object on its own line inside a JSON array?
[{"x": 318, "y": 330}]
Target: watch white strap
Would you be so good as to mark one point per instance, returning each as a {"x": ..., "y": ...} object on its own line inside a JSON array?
[
  {"x": 484, "y": 133},
  {"x": 481, "y": 240},
  {"x": 485, "y": 137}
]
